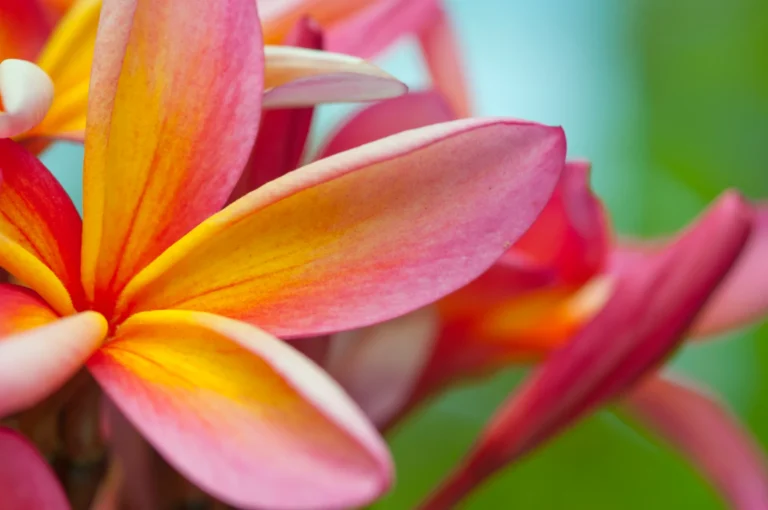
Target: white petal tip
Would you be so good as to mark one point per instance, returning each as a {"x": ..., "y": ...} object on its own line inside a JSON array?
[{"x": 27, "y": 94}]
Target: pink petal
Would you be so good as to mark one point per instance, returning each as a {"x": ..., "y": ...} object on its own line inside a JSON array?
[
  {"x": 355, "y": 238},
  {"x": 26, "y": 480},
  {"x": 643, "y": 322},
  {"x": 282, "y": 133},
  {"x": 571, "y": 237},
  {"x": 743, "y": 297},
  {"x": 26, "y": 93},
  {"x": 37, "y": 362},
  {"x": 24, "y": 28},
  {"x": 379, "y": 366},
  {"x": 387, "y": 118},
  {"x": 242, "y": 414},
  {"x": 709, "y": 435}
]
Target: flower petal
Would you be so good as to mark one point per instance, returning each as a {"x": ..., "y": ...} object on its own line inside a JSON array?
[
  {"x": 705, "y": 432},
  {"x": 571, "y": 237},
  {"x": 173, "y": 113},
  {"x": 643, "y": 322},
  {"x": 743, "y": 297},
  {"x": 23, "y": 29},
  {"x": 387, "y": 118},
  {"x": 354, "y": 239},
  {"x": 21, "y": 309},
  {"x": 379, "y": 366},
  {"x": 279, "y": 16},
  {"x": 26, "y": 480},
  {"x": 283, "y": 133},
  {"x": 39, "y": 229},
  {"x": 67, "y": 58},
  {"x": 242, "y": 414},
  {"x": 302, "y": 76},
  {"x": 26, "y": 93},
  {"x": 37, "y": 362}
]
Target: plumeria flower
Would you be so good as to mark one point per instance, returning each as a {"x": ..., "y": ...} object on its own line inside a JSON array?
[
  {"x": 171, "y": 302},
  {"x": 365, "y": 28},
  {"x": 293, "y": 77},
  {"x": 607, "y": 314}
]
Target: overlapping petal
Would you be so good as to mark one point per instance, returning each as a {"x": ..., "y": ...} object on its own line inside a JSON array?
[
  {"x": 645, "y": 319},
  {"x": 67, "y": 58},
  {"x": 405, "y": 220},
  {"x": 23, "y": 29},
  {"x": 241, "y": 413},
  {"x": 162, "y": 155},
  {"x": 40, "y": 229},
  {"x": 743, "y": 297},
  {"x": 705, "y": 432},
  {"x": 301, "y": 76},
  {"x": 280, "y": 16},
  {"x": 26, "y": 480},
  {"x": 389, "y": 117},
  {"x": 37, "y": 362},
  {"x": 22, "y": 309},
  {"x": 26, "y": 93}
]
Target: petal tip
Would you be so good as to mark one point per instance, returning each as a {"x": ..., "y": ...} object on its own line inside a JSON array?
[{"x": 27, "y": 93}]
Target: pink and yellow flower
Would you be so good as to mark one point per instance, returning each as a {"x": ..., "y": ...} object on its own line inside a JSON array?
[
  {"x": 171, "y": 302},
  {"x": 601, "y": 314}
]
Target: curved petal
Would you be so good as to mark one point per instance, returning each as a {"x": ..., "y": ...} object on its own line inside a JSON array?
[
  {"x": 387, "y": 118},
  {"x": 173, "y": 113},
  {"x": 37, "y": 362},
  {"x": 355, "y": 239},
  {"x": 301, "y": 76},
  {"x": 241, "y": 413},
  {"x": 21, "y": 309},
  {"x": 67, "y": 58},
  {"x": 571, "y": 237},
  {"x": 26, "y": 93},
  {"x": 743, "y": 297},
  {"x": 283, "y": 133},
  {"x": 279, "y": 16},
  {"x": 39, "y": 229},
  {"x": 379, "y": 366},
  {"x": 705, "y": 432},
  {"x": 57, "y": 8},
  {"x": 23, "y": 29},
  {"x": 26, "y": 480},
  {"x": 643, "y": 322}
]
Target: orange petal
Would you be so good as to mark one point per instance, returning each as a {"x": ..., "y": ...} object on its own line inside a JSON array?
[
  {"x": 241, "y": 413},
  {"x": 23, "y": 29},
  {"x": 37, "y": 362},
  {"x": 22, "y": 309},
  {"x": 39, "y": 229},
  {"x": 279, "y": 16},
  {"x": 173, "y": 113},
  {"x": 354, "y": 239},
  {"x": 67, "y": 58}
]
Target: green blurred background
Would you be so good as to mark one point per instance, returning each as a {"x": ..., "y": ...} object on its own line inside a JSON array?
[{"x": 669, "y": 99}]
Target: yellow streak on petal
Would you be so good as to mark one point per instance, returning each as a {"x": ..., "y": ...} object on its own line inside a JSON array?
[{"x": 277, "y": 20}]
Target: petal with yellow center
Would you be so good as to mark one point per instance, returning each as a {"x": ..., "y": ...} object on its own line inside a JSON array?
[
  {"x": 173, "y": 112},
  {"x": 365, "y": 235},
  {"x": 241, "y": 413}
]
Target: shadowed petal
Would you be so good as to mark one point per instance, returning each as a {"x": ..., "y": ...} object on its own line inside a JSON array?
[
  {"x": 705, "y": 432},
  {"x": 301, "y": 76},
  {"x": 26, "y": 480},
  {"x": 39, "y": 229},
  {"x": 26, "y": 93},
  {"x": 355, "y": 239},
  {"x": 173, "y": 114},
  {"x": 242, "y": 414},
  {"x": 644, "y": 321},
  {"x": 37, "y": 362},
  {"x": 387, "y": 118}
]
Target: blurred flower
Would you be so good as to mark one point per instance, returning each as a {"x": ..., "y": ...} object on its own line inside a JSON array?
[
  {"x": 607, "y": 313},
  {"x": 366, "y": 28},
  {"x": 171, "y": 302}
]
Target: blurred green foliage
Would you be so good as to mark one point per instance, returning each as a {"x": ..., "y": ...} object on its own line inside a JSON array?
[{"x": 701, "y": 67}]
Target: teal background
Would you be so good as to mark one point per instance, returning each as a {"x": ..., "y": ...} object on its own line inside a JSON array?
[{"x": 669, "y": 99}]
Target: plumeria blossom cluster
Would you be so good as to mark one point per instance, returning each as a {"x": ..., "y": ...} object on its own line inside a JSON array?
[{"x": 259, "y": 316}]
